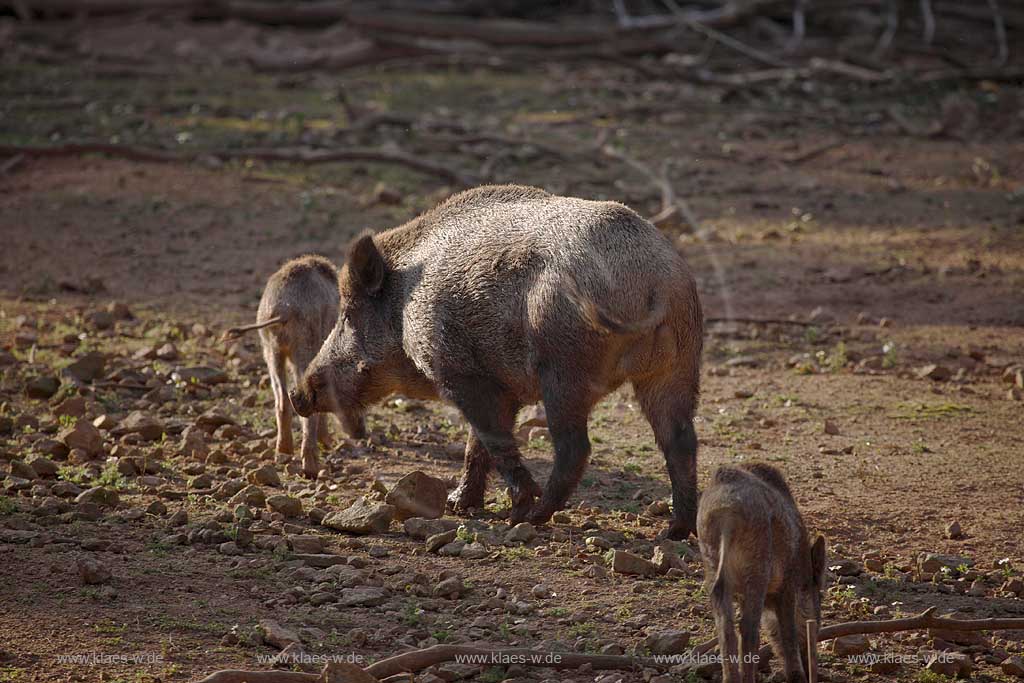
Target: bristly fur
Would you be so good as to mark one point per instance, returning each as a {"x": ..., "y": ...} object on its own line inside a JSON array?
[{"x": 501, "y": 296}]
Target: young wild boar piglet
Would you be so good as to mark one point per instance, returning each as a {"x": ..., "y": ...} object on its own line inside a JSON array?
[
  {"x": 502, "y": 296},
  {"x": 756, "y": 551},
  {"x": 298, "y": 309}
]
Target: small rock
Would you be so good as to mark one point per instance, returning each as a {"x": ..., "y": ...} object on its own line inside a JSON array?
[
  {"x": 179, "y": 518},
  {"x": 841, "y": 567},
  {"x": 418, "y": 495},
  {"x": 98, "y": 495},
  {"x": 73, "y": 406},
  {"x": 368, "y": 596},
  {"x": 937, "y": 373},
  {"x": 306, "y": 544},
  {"x": 251, "y": 495},
  {"x": 1013, "y": 585},
  {"x": 289, "y": 506},
  {"x": 275, "y": 634},
  {"x": 1013, "y": 666},
  {"x": 148, "y": 428},
  {"x": 524, "y": 532},
  {"x": 42, "y": 388},
  {"x": 156, "y": 508},
  {"x": 831, "y": 428},
  {"x": 953, "y": 530},
  {"x": 473, "y": 551},
  {"x": 451, "y": 588},
  {"x": 541, "y": 592},
  {"x": 92, "y": 571},
  {"x": 87, "y": 368},
  {"x": 437, "y": 541},
  {"x": 929, "y": 563},
  {"x": 421, "y": 528},
  {"x": 266, "y": 475},
  {"x": 846, "y": 646},
  {"x": 85, "y": 436},
  {"x": 362, "y": 517},
  {"x": 167, "y": 352},
  {"x": 668, "y": 642},
  {"x": 624, "y": 562},
  {"x": 229, "y": 548},
  {"x": 533, "y": 416},
  {"x": 199, "y": 374},
  {"x": 22, "y": 470},
  {"x": 667, "y": 557},
  {"x": 44, "y": 467}
]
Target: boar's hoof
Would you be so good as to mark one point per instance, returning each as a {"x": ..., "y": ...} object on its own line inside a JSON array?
[
  {"x": 680, "y": 531},
  {"x": 523, "y": 497},
  {"x": 467, "y": 496},
  {"x": 310, "y": 467}
]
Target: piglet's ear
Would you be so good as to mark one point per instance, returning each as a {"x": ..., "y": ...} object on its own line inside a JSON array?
[
  {"x": 366, "y": 265},
  {"x": 818, "y": 560}
]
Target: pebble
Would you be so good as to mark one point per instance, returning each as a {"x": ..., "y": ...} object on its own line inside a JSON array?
[
  {"x": 92, "y": 571},
  {"x": 289, "y": 506},
  {"x": 954, "y": 531},
  {"x": 524, "y": 532},
  {"x": 624, "y": 562},
  {"x": 668, "y": 642}
]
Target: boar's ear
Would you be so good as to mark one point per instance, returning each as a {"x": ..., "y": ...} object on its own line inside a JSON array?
[
  {"x": 366, "y": 265},
  {"x": 818, "y": 561}
]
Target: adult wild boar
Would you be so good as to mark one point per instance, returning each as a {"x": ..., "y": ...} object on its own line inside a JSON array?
[{"x": 504, "y": 295}]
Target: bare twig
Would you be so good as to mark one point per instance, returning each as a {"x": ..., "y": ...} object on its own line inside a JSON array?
[
  {"x": 671, "y": 205},
  {"x": 799, "y": 24},
  {"x": 765, "y": 321},
  {"x": 11, "y": 164},
  {"x": 812, "y": 651},
  {"x": 928, "y": 18},
  {"x": 892, "y": 25},
  {"x": 924, "y": 620},
  {"x": 811, "y": 152},
  {"x": 726, "y": 40},
  {"x": 1000, "y": 27},
  {"x": 908, "y": 127}
]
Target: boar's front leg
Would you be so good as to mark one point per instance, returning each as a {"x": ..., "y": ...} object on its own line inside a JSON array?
[
  {"x": 491, "y": 412},
  {"x": 469, "y": 493}
]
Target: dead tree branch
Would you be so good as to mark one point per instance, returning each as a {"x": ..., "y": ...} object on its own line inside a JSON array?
[
  {"x": 672, "y": 207},
  {"x": 1003, "y": 52},
  {"x": 287, "y": 155},
  {"x": 417, "y": 660}
]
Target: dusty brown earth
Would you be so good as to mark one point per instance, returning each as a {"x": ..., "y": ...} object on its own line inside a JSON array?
[{"x": 893, "y": 252}]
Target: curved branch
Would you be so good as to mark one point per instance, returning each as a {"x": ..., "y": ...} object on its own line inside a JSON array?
[{"x": 417, "y": 660}]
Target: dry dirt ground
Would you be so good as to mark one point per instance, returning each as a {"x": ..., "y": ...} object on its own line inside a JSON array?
[{"x": 899, "y": 252}]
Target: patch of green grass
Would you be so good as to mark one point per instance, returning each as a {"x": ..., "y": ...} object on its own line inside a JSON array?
[
  {"x": 926, "y": 676},
  {"x": 584, "y": 629},
  {"x": 443, "y": 635},
  {"x": 10, "y": 674},
  {"x": 930, "y": 411},
  {"x": 7, "y": 506}
]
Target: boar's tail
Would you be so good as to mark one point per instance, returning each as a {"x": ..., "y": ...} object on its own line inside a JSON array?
[
  {"x": 236, "y": 332},
  {"x": 601, "y": 319}
]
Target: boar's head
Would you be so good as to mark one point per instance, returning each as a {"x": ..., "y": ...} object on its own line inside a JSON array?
[{"x": 348, "y": 373}]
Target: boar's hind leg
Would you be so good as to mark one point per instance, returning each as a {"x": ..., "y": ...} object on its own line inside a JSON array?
[
  {"x": 784, "y": 634},
  {"x": 491, "y": 412},
  {"x": 567, "y": 419},
  {"x": 282, "y": 406},
  {"x": 470, "y": 491},
  {"x": 669, "y": 407},
  {"x": 721, "y": 604},
  {"x": 750, "y": 628}
]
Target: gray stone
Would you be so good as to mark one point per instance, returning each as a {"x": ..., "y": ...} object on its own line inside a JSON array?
[
  {"x": 668, "y": 642},
  {"x": 624, "y": 562},
  {"x": 418, "y": 495},
  {"x": 92, "y": 571},
  {"x": 362, "y": 517},
  {"x": 421, "y": 528},
  {"x": 98, "y": 495},
  {"x": 289, "y": 506}
]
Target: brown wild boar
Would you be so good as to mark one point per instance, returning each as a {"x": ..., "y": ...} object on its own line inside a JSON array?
[
  {"x": 297, "y": 312},
  {"x": 505, "y": 295},
  {"x": 756, "y": 551}
]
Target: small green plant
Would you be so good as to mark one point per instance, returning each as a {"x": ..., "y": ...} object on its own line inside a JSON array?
[
  {"x": 890, "y": 358},
  {"x": 495, "y": 674},
  {"x": 443, "y": 635},
  {"x": 465, "y": 535},
  {"x": 411, "y": 614},
  {"x": 7, "y": 506},
  {"x": 66, "y": 421},
  {"x": 583, "y": 629},
  {"x": 926, "y": 676},
  {"x": 111, "y": 477}
]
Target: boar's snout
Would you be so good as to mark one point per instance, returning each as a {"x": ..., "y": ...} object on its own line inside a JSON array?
[{"x": 302, "y": 401}]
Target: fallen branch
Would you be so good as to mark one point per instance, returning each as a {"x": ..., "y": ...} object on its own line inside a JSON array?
[
  {"x": 766, "y": 321},
  {"x": 417, "y": 660},
  {"x": 934, "y": 130},
  {"x": 918, "y": 622},
  {"x": 1003, "y": 52},
  {"x": 924, "y": 620},
  {"x": 239, "y": 676},
  {"x": 300, "y": 156},
  {"x": 810, "y": 153}
]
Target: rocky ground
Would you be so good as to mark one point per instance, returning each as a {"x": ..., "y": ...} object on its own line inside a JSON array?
[{"x": 149, "y": 531}]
